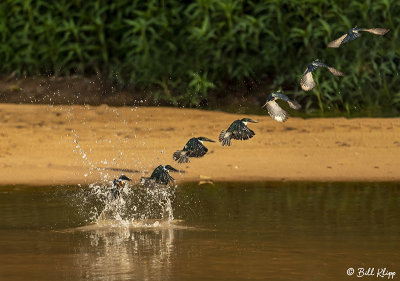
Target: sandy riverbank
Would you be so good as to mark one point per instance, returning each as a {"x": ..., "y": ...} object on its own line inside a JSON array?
[{"x": 47, "y": 145}]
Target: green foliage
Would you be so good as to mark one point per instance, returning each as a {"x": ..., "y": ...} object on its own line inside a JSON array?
[{"x": 179, "y": 50}]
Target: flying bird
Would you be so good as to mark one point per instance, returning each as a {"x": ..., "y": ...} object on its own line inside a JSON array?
[
  {"x": 238, "y": 130},
  {"x": 354, "y": 33},
  {"x": 160, "y": 176},
  {"x": 273, "y": 108},
  {"x": 193, "y": 148},
  {"x": 118, "y": 184},
  {"x": 307, "y": 82}
]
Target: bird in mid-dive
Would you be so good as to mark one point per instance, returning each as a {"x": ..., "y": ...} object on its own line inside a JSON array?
[
  {"x": 273, "y": 108},
  {"x": 160, "y": 176},
  {"x": 307, "y": 82},
  {"x": 238, "y": 130},
  {"x": 118, "y": 184},
  {"x": 193, "y": 148},
  {"x": 354, "y": 33}
]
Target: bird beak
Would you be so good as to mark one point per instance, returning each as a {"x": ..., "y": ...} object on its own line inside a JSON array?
[
  {"x": 210, "y": 140},
  {"x": 253, "y": 121},
  {"x": 172, "y": 169}
]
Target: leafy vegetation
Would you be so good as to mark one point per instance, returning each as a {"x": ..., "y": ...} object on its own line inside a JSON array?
[{"x": 183, "y": 51}]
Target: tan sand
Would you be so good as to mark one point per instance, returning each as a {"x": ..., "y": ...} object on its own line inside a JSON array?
[{"x": 49, "y": 145}]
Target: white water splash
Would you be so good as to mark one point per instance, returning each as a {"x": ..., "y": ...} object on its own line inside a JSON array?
[{"x": 135, "y": 206}]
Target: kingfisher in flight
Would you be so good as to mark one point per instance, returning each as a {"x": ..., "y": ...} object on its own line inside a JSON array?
[
  {"x": 354, "y": 33},
  {"x": 273, "y": 108},
  {"x": 193, "y": 148},
  {"x": 160, "y": 176},
  {"x": 307, "y": 82},
  {"x": 238, "y": 130},
  {"x": 118, "y": 184}
]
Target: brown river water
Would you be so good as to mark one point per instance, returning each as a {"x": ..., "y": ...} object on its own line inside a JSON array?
[{"x": 226, "y": 231}]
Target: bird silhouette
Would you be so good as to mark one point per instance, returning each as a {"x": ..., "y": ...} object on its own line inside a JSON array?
[
  {"x": 238, "y": 130},
  {"x": 193, "y": 148},
  {"x": 354, "y": 33},
  {"x": 307, "y": 82},
  {"x": 160, "y": 176},
  {"x": 275, "y": 111},
  {"x": 115, "y": 192}
]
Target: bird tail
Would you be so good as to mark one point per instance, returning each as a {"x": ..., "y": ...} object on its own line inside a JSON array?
[
  {"x": 181, "y": 156},
  {"x": 221, "y": 136},
  {"x": 226, "y": 140}
]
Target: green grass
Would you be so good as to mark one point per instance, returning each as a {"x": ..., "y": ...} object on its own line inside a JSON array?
[{"x": 184, "y": 51}]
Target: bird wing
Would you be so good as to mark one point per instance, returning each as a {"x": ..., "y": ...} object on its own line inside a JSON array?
[
  {"x": 336, "y": 43},
  {"x": 377, "y": 31},
  {"x": 307, "y": 82},
  {"x": 181, "y": 156},
  {"x": 225, "y": 138},
  {"x": 160, "y": 176},
  {"x": 242, "y": 132},
  {"x": 196, "y": 149},
  {"x": 157, "y": 172},
  {"x": 334, "y": 71},
  {"x": 165, "y": 178},
  {"x": 276, "y": 112},
  {"x": 170, "y": 178},
  {"x": 224, "y": 134},
  {"x": 294, "y": 104}
]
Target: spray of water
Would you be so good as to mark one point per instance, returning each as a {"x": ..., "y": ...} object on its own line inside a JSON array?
[{"x": 136, "y": 206}]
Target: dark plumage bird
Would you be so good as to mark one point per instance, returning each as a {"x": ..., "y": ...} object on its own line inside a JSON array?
[
  {"x": 115, "y": 191},
  {"x": 307, "y": 81},
  {"x": 238, "y": 130},
  {"x": 160, "y": 175},
  {"x": 193, "y": 148},
  {"x": 354, "y": 33},
  {"x": 275, "y": 111}
]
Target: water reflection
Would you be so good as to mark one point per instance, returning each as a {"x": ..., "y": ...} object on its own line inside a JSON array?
[
  {"x": 133, "y": 235},
  {"x": 123, "y": 253},
  {"x": 230, "y": 231}
]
